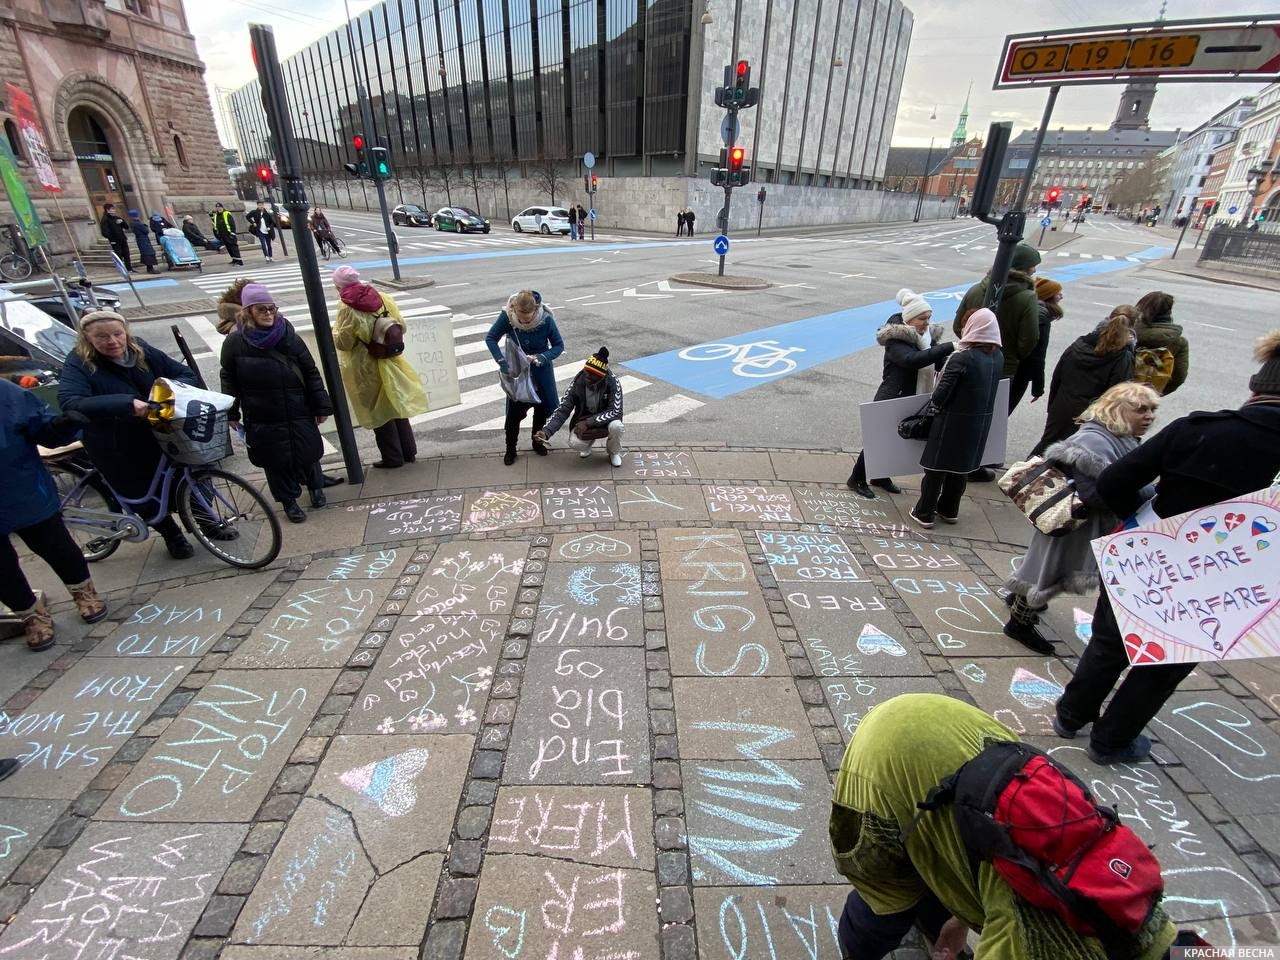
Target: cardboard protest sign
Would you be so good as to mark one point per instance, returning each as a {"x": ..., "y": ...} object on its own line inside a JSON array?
[
  {"x": 1200, "y": 586},
  {"x": 888, "y": 455}
]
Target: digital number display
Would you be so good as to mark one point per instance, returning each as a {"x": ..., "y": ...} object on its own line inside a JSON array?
[{"x": 1103, "y": 55}]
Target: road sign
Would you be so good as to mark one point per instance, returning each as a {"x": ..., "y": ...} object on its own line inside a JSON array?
[
  {"x": 593, "y": 213},
  {"x": 1233, "y": 209},
  {"x": 1234, "y": 48},
  {"x": 1046, "y": 222},
  {"x": 720, "y": 245},
  {"x": 589, "y": 160},
  {"x": 729, "y": 128}
]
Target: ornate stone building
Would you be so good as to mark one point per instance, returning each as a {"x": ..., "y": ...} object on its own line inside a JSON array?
[{"x": 120, "y": 96}]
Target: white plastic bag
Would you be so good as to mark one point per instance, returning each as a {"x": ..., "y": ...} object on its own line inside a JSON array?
[{"x": 517, "y": 383}]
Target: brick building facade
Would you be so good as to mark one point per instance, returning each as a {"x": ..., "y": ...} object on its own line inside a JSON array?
[{"x": 119, "y": 93}]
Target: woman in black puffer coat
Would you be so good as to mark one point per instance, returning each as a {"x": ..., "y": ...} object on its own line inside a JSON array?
[
  {"x": 913, "y": 353},
  {"x": 278, "y": 391}
]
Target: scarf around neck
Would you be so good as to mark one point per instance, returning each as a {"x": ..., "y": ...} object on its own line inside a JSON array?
[
  {"x": 266, "y": 339},
  {"x": 362, "y": 297}
]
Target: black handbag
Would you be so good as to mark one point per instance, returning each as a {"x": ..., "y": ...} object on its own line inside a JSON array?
[{"x": 918, "y": 425}]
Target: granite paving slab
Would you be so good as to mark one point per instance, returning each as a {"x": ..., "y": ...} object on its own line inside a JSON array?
[
  {"x": 602, "y": 826},
  {"x": 851, "y": 697},
  {"x": 18, "y": 664},
  {"x": 471, "y": 579},
  {"x": 962, "y": 614},
  {"x": 394, "y": 908},
  {"x": 758, "y": 504},
  {"x": 411, "y": 478},
  {"x": 433, "y": 516},
  {"x": 844, "y": 508},
  {"x": 782, "y": 923},
  {"x": 318, "y": 623},
  {"x": 1261, "y": 679},
  {"x": 313, "y": 885},
  {"x": 539, "y": 907},
  {"x": 219, "y": 757},
  {"x": 362, "y": 563},
  {"x": 335, "y": 525},
  {"x": 565, "y": 466},
  {"x": 184, "y": 621},
  {"x": 715, "y": 716},
  {"x": 22, "y": 824},
  {"x": 1266, "y": 830},
  {"x": 826, "y": 607},
  {"x": 240, "y": 952},
  {"x": 590, "y": 604},
  {"x": 662, "y": 503},
  {"x": 914, "y": 557},
  {"x": 656, "y": 465},
  {"x": 850, "y": 646},
  {"x": 733, "y": 465},
  {"x": 479, "y": 471},
  {"x": 150, "y": 880},
  {"x": 581, "y": 502},
  {"x": 595, "y": 547},
  {"x": 1004, "y": 564},
  {"x": 501, "y": 510},
  {"x": 713, "y": 556},
  {"x": 809, "y": 557},
  {"x": 1241, "y": 931},
  {"x": 811, "y": 467},
  {"x": 582, "y": 718},
  {"x": 758, "y": 822},
  {"x": 1008, "y": 522},
  {"x": 1020, "y": 693},
  {"x": 76, "y": 726},
  {"x": 719, "y": 630},
  {"x": 432, "y": 677},
  {"x": 401, "y": 792}
]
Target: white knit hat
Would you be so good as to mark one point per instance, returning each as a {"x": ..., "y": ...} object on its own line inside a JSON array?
[{"x": 913, "y": 305}]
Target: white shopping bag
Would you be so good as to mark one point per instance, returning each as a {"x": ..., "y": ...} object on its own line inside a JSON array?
[{"x": 518, "y": 382}]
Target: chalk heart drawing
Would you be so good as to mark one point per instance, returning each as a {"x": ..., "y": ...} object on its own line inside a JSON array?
[
  {"x": 389, "y": 783},
  {"x": 9, "y": 834},
  {"x": 504, "y": 923},
  {"x": 873, "y": 640},
  {"x": 967, "y": 616},
  {"x": 1199, "y": 606},
  {"x": 1084, "y": 624},
  {"x": 1032, "y": 690}
]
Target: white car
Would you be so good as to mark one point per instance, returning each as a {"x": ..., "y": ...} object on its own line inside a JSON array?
[{"x": 541, "y": 219}]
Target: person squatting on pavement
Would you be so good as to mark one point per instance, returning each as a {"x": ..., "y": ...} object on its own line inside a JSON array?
[
  {"x": 964, "y": 400},
  {"x": 32, "y": 509},
  {"x": 384, "y": 389},
  {"x": 593, "y": 407},
  {"x": 1196, "y": 461},
  {"x": 900, "y": 751},
  {"x": 913, "y": 353},
  {"x": 1111, "y": 427},
  {"x": 534, "y": 329},
  {"x": 268, "y": 368}
]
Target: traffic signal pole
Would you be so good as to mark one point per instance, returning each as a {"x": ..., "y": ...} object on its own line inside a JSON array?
[
  {"x": 728, "y": 188},
  {"x": 294, "y": 192}
]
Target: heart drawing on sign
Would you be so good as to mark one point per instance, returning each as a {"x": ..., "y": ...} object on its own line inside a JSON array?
[
  {"x": 971, "y": 615},
  {"x": 1262, "y": 525},
  {"x": 1142, "y": 651},
  {"x": 1233, "y": 520},
  {"x": 873, "y": 640},
  {"x": 1192, "y": 536}
]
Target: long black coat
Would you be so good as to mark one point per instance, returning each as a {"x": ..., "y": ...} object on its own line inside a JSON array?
[
  {"x": 903, "y": 358},
  {"x": 120, "y": 444},
  {"x": 965, "y": 398},
  {"x": 1080, "y": 378},
  {"x": 146, "y": 252},
  {"x": 114, "y": 228},
  {"x": 278, "y": 394}
]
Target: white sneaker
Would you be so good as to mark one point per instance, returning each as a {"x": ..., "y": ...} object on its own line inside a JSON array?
[
  {"x": 583, "y": 454},
  {"x": 616, "y": 459}
]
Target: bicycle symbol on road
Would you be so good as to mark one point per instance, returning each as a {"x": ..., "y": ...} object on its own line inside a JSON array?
[{"x": 762, "y": 359}]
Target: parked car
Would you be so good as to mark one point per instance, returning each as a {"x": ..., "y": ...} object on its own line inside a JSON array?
[
  {"x": 283, "y": 220},
  {"x": 460, "y": 220},
  {"x": 77, "y": 293},
  {"x": 33, "y": 346},
  {"x": 541, "y": 219},
  {"x": 410, "y": 215}
]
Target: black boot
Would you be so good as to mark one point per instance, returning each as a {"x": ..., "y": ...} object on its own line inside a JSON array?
[
  {"x": 1022, "y": 626},
  {"x": 294, "y": 512},
  {"x": 318, "y": 499},
  {"x": 887, "y": 485},
  {"x": 860, "y": 488},
  {"x": 510, "y": 456}
]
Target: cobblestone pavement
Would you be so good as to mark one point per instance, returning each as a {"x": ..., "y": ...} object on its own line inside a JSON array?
[{"x": 552, "y": 711}]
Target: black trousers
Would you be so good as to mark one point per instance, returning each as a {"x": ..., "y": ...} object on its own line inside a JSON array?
[
  {"x": 859, "y": 474},
  {"x": 940, "y": 493},
  {"x": 1139, "y": 698},
  {"x": 50, "y": 541},
  {"x": 515, "y": 416},
  {"x": 396, "y": 442},
  {"x": 121, "y": 249},
  {"x": 287, "y": 484},
  {"x": 865, "y": 935},
  {"x": 232, "y": 244}
]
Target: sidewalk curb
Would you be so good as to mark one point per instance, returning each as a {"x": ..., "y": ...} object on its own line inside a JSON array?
[
  {"x": 1198, "y": 273},
  {"x": 727, "y": 282}
]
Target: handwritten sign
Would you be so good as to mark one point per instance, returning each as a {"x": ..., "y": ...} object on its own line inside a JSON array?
[
  {"x": 753, "y": 503},
  {"x": 669, "y": 503},
  {"x": 809, "y": 556},
  {"x": 842, "y": 508},
  {"x": 471, "y": 580},
  {"x": 964, "y": 616},
  {"x": 358, "y": 565},
  {"x": 739, "y": 922},
  {"x": 315, "y": 624},
  {"x": 595, "y": 547},
  {"x": 590, "y": 604},
  {"x": 893, "y": 553},
  {"x": 1020, "y": 693},
  {"x": 419, "y": 517},
  {"x": 658, "y": 464},
  {"x": 579, "y": 503},
  {"x": 582, "y": 718},
  {"x": 1203, "y": 585},
  {"x": 501, "y": 509},
  {"x": 721, "y": 630},
  {"x": 605, "y": 826},
  {"x": 219, "y": 757}
]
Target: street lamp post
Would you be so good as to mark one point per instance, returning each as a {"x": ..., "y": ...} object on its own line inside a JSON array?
[{"x": 1256, "y": 176}]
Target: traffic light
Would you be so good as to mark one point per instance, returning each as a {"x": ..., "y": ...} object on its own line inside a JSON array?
[
  {"x": 264, "y": 174},
  {"x": 1086, "y": 203},
  {"x": 381, "y": 163},
  {"x": 1053, "y": 194},
  {"x": 595, "y": 181},
  {"x": 361, "y": 167},
  {"x": 739, "y": 175},
  {"x": 737, "y": 90},
  {"x": 1207, "y": 210}
]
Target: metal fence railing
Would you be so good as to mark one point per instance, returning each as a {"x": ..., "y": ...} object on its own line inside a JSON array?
[{"x": 1246, "y": 248}]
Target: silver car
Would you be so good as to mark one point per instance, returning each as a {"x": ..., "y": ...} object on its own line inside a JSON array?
[{"x": 542, "y": 220}]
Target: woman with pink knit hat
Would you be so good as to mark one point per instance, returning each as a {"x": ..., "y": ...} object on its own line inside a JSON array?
[
  {"x": 964, "y": 400},
  {"x": 384, "y": 389}
]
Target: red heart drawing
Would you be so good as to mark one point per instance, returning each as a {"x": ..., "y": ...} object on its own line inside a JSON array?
[
  {"x": 1142, "y": 651},
  {"x": 1209, "y": 524},
  {"x": 1112, "y": 550},
  {"x": 1193, "y": 536},
  {"x": 1233, "y": 520}
]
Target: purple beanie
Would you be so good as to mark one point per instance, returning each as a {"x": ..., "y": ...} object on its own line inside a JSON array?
[
  {"x": 253, "y": 293},
  {"x": 345, "y": 276}
]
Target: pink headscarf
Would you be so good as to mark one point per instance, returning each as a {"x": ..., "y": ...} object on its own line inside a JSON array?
[{"x": 981, "y": 328}]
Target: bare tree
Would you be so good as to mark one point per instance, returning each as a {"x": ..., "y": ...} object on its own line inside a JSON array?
[
  {"x": 1136, "y": 188},
  {"x": 548, "y": 177},
  {"x": 472, "y": 176},
  {"x": 448, "y": 178}
]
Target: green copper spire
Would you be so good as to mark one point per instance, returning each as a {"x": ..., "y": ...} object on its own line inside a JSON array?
[{"x": 959, "y": 135}]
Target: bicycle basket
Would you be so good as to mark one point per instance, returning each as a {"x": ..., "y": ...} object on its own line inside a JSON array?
[{"x": 195, "y": 440}]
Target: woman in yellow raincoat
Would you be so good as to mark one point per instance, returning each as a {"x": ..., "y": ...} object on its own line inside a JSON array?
[{"x": 384, "y": 393}]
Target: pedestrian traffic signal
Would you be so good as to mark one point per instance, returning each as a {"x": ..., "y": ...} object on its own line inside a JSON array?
[
  {"x": 737, "y": 90},
  {"x": 381, "y": 163},
  {"x": 1208, "y": 208},
  {"x": 594, "y": 183},
  {"x": 1053, "y": 194},
  {"x": 264, "y": 174},
  {"x": 738, "y": 174},
  {"x": 361, "y": 167}
]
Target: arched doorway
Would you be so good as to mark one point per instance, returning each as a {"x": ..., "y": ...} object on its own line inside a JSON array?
[{"x": 97, "y": 159}]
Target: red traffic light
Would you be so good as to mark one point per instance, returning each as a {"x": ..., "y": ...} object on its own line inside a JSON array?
[
  {"x": 735, "y": 157},
  {"x": 742, "y": 69},
  {"x": 1054, "y": 193},
  {"x": 358, "y": 142},
  {"x": 594, "y": 180},
  {"x": 264, "y": 173}
]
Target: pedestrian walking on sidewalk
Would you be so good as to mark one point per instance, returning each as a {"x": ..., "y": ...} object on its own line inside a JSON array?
[
  {"x": 964, "y": 400},
  {"x": 1196, "y": 461},
  {"x": 384, "y": 389},
  {"x": 1089, "y": 367},
  {"x": 142, "y": 237},
  {"x": 32, "y": 509},
  {"x": 593, "y": 407},
  {"x": 1030, "y": 372},
  {"x": 1163, "y": 355},
  {"x": 224, "y": 228},
  {"x": 263, "y": 223},
  {"x": 913, "y": 353},
  {"x": 533, "y": 327},
  {"x": 115, "y": 230},
  {"x": 1111, "y": 427},
  {"x": 582, "y": 222}
]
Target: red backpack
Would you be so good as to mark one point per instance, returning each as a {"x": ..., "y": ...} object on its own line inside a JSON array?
[{"x": 1037, "y": 824}]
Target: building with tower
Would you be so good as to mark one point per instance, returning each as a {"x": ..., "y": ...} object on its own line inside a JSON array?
[{"x": 959, "y": 135}]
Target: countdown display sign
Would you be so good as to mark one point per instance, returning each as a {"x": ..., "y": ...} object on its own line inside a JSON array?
[{"x": 1236, "y": 48}]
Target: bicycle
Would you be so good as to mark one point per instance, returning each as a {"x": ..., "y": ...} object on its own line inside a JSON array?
[
  {"x": 13, "y": 265},
  {"x": 218, "y": 508},
  {"x": 761, "y": 364}
]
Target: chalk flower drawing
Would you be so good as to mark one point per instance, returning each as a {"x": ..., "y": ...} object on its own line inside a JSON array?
[
  {"x": 386, "y": 726},
  {"x": 465, "y": 716},
  {"x": 484, "y": 672}
]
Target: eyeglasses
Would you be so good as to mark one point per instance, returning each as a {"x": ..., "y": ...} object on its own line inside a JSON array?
[
  {"x": 269, "y": 307},
  {"x": 1145, "y": 408}
]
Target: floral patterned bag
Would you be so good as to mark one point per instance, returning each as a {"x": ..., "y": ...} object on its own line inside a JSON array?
[{"x": 1045, "y": 495}]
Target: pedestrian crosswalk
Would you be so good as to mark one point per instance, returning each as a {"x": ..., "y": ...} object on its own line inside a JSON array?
[{"x": 482, "y": 400}]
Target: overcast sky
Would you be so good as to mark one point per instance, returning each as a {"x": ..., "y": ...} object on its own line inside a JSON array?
[{"x": 953, "y": 43}]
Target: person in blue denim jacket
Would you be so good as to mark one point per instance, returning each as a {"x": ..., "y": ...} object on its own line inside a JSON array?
[{"x": 534, "y": 328}]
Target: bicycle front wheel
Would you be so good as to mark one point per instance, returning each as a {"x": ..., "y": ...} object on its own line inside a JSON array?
[
  {"x": 14, "y": 267},
  {"x": 230, "y": 518},
  {"x": 80, "y": 492}
]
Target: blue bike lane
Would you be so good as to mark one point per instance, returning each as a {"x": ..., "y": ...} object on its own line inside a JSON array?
[{"x": 795, "y": 346}]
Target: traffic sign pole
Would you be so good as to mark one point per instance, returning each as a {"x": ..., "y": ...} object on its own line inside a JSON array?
[{"x": 1185, "y": 222}]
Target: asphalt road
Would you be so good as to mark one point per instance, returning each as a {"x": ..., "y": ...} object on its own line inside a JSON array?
[{"x": 802, "y": 354}]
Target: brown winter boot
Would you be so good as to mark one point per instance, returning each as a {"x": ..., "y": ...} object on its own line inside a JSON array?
[
  {"x": 89, "y": 604},
  {"x": 38, "y": 626}
]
